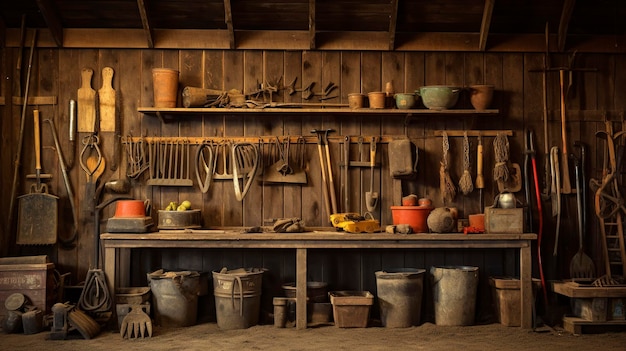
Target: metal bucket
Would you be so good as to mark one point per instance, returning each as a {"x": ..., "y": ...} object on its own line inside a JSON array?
[
  {"x": 237, "y": 297},
  {"x": 454, "y": 294},
  {"x": 399, "y": 292},
  {"x": 175, "y": 297}
]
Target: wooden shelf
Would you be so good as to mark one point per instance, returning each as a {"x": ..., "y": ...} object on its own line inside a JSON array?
[{"x": 166, "y": 114}]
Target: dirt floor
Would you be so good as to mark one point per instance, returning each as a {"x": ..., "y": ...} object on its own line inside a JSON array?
[{"x": 208, "y": 336}]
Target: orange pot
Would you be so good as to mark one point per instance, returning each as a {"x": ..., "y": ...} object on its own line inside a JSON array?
[
  {"x": 130, "y": 208},
  {"x": 414, "y": 216}
]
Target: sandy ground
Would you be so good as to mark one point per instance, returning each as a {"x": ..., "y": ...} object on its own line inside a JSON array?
[{"x": 208, "y": 336}]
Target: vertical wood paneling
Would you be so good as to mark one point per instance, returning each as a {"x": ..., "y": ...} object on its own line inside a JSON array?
[
  {"x": 212, "y": 207},
  {"x": 518, "y": 96},
  {"x": 233, "y": 126}
]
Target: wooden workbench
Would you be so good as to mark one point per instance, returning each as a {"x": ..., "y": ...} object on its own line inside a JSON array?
[{"x": 119, "y": 243}]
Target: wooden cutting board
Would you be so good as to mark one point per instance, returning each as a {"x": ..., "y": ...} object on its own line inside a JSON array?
[
  {"x": 106, "y": 99},
  {"x": 86, "y": 103}
]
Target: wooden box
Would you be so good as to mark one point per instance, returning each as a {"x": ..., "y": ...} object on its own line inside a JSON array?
[
  {"x": 32, "y": 276},
  {"x": 351, "y": 309},
  {"x": 504, "y": 220},
  {"x": 507, "y": 298}
]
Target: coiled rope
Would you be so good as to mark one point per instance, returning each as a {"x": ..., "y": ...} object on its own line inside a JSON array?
[
  {"x": 466, "y": 185},
  {"x": 448, "y": 190}
]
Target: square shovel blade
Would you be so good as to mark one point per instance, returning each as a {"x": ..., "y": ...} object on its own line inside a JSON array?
[{"x": 37, "y": 220}]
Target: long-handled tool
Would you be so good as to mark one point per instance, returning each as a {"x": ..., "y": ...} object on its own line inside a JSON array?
[
  {"x": 331, "y": 183},
  {"x": 533, "y": 161},
  {"x": 68, "y": 185},
  {"x": 567, "y": 187},
  {"x": 38, "y": 211},
  {"x": 325, "y": 192},
  {"x": 371, "y": 197},
  {"x": 581, "y": 265},
  {"x": 20, "y": 142},
  {"x": 345, "y": 179},
  {"x": 480, "y": 180},
  {"x": 556, "y": 195}
]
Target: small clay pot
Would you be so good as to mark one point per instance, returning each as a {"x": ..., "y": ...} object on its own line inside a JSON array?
[
  {"x": 409, "y": 200},
  {"x": 377, "y": 99},
  {"x": 355, "y": 100},
  {"x": 405, "y": 101},
  {"x": 441, "y": 220},
  {"x": 130, "y": 209},
  {"x": 481, "y": 96}
]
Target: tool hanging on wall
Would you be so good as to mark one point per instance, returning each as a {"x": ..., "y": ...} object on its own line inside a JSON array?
[
  {"x": 68, "y": 185},
  {"x": 446, "y": 185},
  {"x": 86, "y": 102},
  {"x": 581, "y": 265},
  {"x": 38, "y": 211},
  {"x": 245, "y": 162},
  {"x": 20, "y": 142},
  {"x": 507, "y": 176},
  {"x": 465, "y": 183},
  {"x": 371, "y": 197},
  {"x": 480, "y": 181},
  {"x": 328, "y": 187},
  {"x": 169, "y": 163},
  {"x": 281, "y": 171},
  {"x": 136, "y": 157},
  {"x": 205, "y": 166},
  {"x": 106, "y": 97}
]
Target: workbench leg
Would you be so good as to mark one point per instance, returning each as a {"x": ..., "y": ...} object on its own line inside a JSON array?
[
  {"x": 301, "y": 289},
  {"x": 526, "y": 291}
]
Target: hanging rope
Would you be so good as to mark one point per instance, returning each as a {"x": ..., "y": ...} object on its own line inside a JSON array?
[
  {"x": 466, "y": 185},
  {"x": 501, "y": 150},
  {"x": 448, "y": 190}
]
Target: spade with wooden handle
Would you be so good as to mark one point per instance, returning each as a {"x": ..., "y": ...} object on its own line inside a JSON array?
[
  {"x": 106, "y": 96},
  {"x": 86, "y": 103}
]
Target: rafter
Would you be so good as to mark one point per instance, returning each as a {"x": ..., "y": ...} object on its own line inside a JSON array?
[
  {"x": 485, "y": 24},
  {"x": 393, "y": 19},
  {"x": 145, "y": 20},
  {"x": 228, "y": 18},
  {"x": 312, "y": 24},
  {"x": 52, "y": 19},
  {"x": 566, "y": 15}
]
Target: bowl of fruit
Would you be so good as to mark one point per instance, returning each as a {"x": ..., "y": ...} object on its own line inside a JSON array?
[{"x": 179, "y": 216}]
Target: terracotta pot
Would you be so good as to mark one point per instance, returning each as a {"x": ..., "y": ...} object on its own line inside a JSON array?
[
  {"x": 165, "y": 85},
  {"x": 481, "y": 96},
  {"x": 355, "y": 100},
  {"x": 477, "y": 221},
  {"x": 130, "y": 209},
  {"x": 414, "y": 216},
  {"x": 409, "y": 200},
  {"x": 377, "y": 99}
]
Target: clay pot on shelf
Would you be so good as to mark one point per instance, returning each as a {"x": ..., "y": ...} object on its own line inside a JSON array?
[{"x": 481, "y": 96}]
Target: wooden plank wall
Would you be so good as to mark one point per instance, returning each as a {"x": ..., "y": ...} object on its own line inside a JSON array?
[{"x": 594, "y": 97}]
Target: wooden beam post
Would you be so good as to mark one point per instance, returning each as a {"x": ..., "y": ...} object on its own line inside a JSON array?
[
  {"x": 228, "y": 18},
  {"x": 312, "y": 28},
  {"x": 485, "y": 24},
  {"x": 393, "y": 20},
  {"x": 145, "y": 20},
  {"x": 52, "y": 20},
  {"x": 566, "y": 15}
]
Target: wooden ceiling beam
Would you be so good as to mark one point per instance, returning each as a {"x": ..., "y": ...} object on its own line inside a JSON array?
[
  {"x": 228, "y": 18},
  {"x": 145, "y": 20},
  {"x": 485, "y": 24},
  {"x": 219, "y": 39},
  {"x": 3, "y": 32},
  {"x": 566, "y": 15},
  {"x": 312, "y": 29},
  {"x": 53, "y": 21},
  {"x": 393, "y": 20}
]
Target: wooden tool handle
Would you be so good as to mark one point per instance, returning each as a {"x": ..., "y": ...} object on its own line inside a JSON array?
[
  {"x": 37, "y": 140},
  {"x": 567, "y": 186},
  {"x": 480, "y": 181}
]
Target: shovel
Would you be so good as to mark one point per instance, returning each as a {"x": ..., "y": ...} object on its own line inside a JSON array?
[
  {"x": 371, "y": 197},
  {"x": 37, "y": 221},
  {"x": 581, "y": 265}
]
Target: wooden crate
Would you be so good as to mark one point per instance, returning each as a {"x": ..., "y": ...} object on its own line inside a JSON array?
[
  {"x": 32, "y": 276},
  {"x": 504, "y": 220}
]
